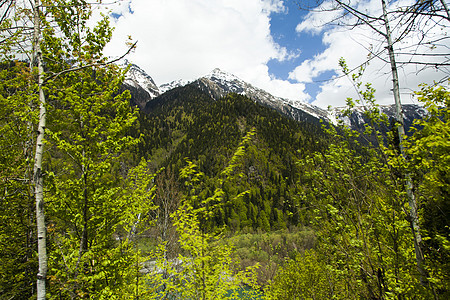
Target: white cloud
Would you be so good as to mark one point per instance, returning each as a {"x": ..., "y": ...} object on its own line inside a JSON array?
[
  {"x": 186, "y": 39},
  {"x": 189, "y": 38},
  {"x": 354, "y": 46},
  {"x": 260, "y": 77},
  {"x": 318, "y": 18},
  {"x": 274, "y": 6}
]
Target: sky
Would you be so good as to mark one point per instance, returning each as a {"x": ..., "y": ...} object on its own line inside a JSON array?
[{"x": 272, "y": 44}]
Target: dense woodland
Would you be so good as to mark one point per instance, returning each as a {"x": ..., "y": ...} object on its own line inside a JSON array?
[{"x": 196, "y": 198}]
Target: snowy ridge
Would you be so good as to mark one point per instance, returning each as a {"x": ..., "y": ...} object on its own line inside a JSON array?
[
  {"x": 223, "y": 76},
  {"x": 357, "y": 119},
  {"x": 219, "y": 83},
  {"x": 136, "y": 77},
  {"x": 229, "y": 83},
  {"x": 171, "y": 85}
]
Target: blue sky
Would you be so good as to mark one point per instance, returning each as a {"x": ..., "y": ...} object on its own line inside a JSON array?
[
  {"x": 271, "y": 44},
  {"x": 282, "y": 28}
]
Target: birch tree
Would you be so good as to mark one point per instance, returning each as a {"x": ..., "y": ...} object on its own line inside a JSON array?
[
  {"x": 37, "y": 170},
  {"x": 408, "y": 20},
  {"x": 54, "y": 37}
]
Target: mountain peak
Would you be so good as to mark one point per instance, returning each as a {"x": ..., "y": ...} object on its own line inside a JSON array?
[
  {"x": 140, "y": 84},
  {"x": 171, "y": 85},
  {"x": 219, "y": 74}
]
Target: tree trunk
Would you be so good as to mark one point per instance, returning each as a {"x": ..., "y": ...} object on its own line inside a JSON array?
[
  {"x": 413, "y": 216},
  {"x": 37, "y": 170}
]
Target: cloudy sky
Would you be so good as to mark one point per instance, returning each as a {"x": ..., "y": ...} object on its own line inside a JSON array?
[{"x": 271, "y": 44}]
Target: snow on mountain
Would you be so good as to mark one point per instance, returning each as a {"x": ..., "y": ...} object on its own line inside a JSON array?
[
  {"x": 228, "y": 83},
  {"x": 219, "y": 83},
  {"x": 358, "y": 119},
  {"x": 241, "y": 87},
  {"x": 137, "y": 77},
  {"x": 171, "y": 85}
]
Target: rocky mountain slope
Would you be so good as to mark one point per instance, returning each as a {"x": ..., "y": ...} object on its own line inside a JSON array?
[
  {"x": 219, "y": 83},
  {"x": 357, "y": 119},
  {"x": 140, "y": 84}
]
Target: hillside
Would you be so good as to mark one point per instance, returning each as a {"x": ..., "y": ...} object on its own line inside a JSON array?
[{"x": 188, "y": 123}]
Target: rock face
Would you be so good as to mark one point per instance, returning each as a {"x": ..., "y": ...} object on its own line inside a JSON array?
[
  {"x": 218, "y": 84},
  {"x": 141, "y": 85},
  {"x": 357, "y": 119}
]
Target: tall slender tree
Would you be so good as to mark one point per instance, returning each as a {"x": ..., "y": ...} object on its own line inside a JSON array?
[
  {"x": 38, "y": 178},
  {"x": 413, "y": 19},
  {"x": 56, "y": 40}
]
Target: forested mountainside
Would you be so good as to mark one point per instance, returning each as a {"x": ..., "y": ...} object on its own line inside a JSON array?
[
  {"x": 187, "y": 122},
  {"x": 290, "y": 179}
]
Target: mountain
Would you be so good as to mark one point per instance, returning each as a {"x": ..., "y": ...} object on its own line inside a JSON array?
[
  {"x": 140, "y": 84},
  {"x": 205, "y": 121},
  {"x": 189, "y": 122},
  {"x": 358, "y": 119},
  {"x": 171, "y": 85},
  {"x": 218, "y": 84}
]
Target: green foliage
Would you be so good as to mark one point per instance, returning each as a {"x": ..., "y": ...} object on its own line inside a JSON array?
[
  {"x": 17, "y": 233},
  {"x": 360, "y": 211},
  {"x": 270, "y": 249},
  {"x": 87, "y": 201},
  {"x": 429, "y": 150},
  {"x": 305, "y": 277},
  {"x": 243, "y": 179},
  {"x": 361, "y": 222},
  {"x": 185, "y": 122},
  {"x": 86, "y": 188},
  {"x": 205, "y": 269}
]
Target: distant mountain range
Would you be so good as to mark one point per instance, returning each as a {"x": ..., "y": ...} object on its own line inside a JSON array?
[{"x": 219, "y": 83}]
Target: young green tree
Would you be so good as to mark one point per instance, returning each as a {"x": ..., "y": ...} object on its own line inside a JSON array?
[
  {"x": 359, "y": 215},
  {"x": 88, "y": 129},
  {"x": 55, "y": 38},
  {"x": 17, "y": 221},
  {"x": 18, "y": 122},
  {"x": 87, "y": 136},
  {"x": 395, "y": 22},
  {"x": 361, "y": 212},
  {"x": 167, "y": 199},
  {"x": 205, "y": 269},
  {"x": 429, "y": 150},
  {"x": 305, "y": 277}
]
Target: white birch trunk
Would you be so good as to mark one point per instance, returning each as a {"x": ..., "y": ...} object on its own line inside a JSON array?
[
  {"x": 37, "y": 171},
  {"x": 413, "y": 215}
]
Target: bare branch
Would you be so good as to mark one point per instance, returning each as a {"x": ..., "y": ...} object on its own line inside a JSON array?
[
  {"x": 364, "y": 18},
  {"x": 6, "y": 5},
  {"x": 91, "y": 65}
]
